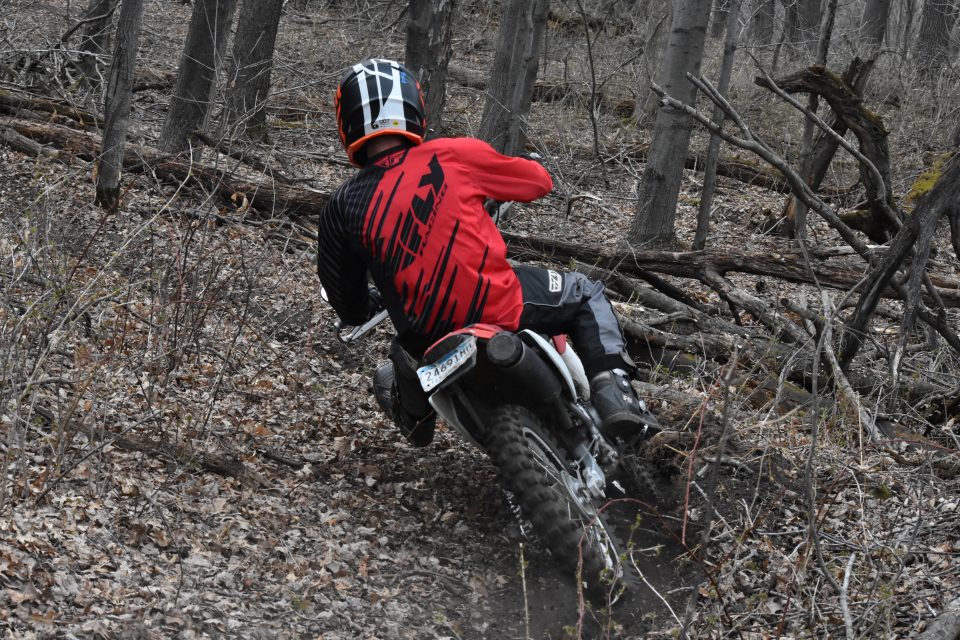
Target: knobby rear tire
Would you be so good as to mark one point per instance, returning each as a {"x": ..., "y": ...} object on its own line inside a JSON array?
[
  {"x": 639, "y": 475},
  {"x": 516, "y": 441}
]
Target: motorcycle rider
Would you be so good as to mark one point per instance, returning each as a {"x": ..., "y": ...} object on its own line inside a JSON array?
[{"x": 413, "y": 218}]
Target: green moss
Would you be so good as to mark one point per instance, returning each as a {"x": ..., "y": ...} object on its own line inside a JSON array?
[
  {"x": 875, "y": 118},
  {"x": 834, "y": 78},
  {"x": 294, "y": 124},
  {"x": 925, "y": 181}
]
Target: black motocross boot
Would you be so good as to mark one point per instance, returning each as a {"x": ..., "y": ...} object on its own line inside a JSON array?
[
  {"x": 417, "y": 431},
  {"x": 617, "y": 403}
]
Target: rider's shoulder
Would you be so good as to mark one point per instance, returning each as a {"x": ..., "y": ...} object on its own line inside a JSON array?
[
  {"x": 456, "y": 147},
  {"x": 455, "y": 143}
]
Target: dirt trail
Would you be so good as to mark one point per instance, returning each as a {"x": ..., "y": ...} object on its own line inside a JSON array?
[{"x": 550, "y": 608}]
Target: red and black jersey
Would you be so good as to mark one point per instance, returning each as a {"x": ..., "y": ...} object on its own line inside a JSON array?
[{"x": 414, "y": 219}]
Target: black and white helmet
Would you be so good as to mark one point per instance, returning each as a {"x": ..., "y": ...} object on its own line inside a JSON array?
[{"x": 378, "y": 97}]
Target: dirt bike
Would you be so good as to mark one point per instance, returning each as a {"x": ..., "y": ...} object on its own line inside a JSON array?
[{"x": 524, "y": 399}]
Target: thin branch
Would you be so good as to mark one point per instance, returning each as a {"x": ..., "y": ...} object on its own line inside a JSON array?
[{"x": 847, "y": 620}]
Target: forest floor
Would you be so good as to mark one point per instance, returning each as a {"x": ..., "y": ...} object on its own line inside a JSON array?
[{"x": 190, "y": 452}]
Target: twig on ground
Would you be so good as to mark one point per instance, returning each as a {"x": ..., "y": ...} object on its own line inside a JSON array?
[{"x": 844, "y": 590}]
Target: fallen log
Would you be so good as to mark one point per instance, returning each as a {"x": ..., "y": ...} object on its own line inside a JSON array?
[
  {"x": 226, "y": 465},
  {"x": 27, "y": 146},
  {"x": 14, "y": 102},
  {"x": 776, "y": 261},
  {"x": 261, "y": 193},
  {"x": 151, "y": 78},
  {"x": 548, "y": 91}
]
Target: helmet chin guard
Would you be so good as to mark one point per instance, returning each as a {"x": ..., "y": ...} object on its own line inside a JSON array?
[{"x": 378, "y": 97}]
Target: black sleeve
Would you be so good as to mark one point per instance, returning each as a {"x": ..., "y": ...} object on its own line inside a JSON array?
[{"x": 342, "y": 271}]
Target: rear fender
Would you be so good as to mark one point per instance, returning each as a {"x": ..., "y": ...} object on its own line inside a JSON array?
[{"x": 440, "y": 347}]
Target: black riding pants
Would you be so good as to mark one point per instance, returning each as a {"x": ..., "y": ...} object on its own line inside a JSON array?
[
  {"x": 554, "y": 303},
  {"x": 557, "y": 302}
]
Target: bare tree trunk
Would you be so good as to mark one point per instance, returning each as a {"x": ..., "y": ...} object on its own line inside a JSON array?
[
  {"x": 541, "y": 10},
  {"x": 762, "y": 22},
  {"x": 504, "y": 77},
  {"x": 197, "y": 77},
  {"x": 933, "y": 40},
  {"x": 802, "y": 22},
  {"x": 428, "y": 51},
  {"x": 248, "y": 83},
  {"x": 117, "y": 104},
  {"x": 509, "y": 76},
  {"x": 94, "y": 38},
  {"x": 653, "y": 224},
  {"x": 647, "y": 104},
  {"x": 718, "y": 21},
  {"x": 873, "y": 25},
  {"x": 908, "y": 10},
  {"x": 594, "y": 99},
  {"x": 713, "y": 150},
  {"x": 823, "y": 45}
]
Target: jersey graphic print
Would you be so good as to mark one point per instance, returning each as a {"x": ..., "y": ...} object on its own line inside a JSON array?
[{"x": 433, "y": 278}]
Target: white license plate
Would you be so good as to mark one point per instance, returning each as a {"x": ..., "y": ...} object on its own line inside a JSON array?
[{"x": 432, "y": 375}]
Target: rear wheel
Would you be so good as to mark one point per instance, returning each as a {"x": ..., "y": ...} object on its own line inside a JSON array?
[
  {"x": 639, "y": 476},
  {"x": 548, "y": 491},
  {"x": 637, "y": 473}
]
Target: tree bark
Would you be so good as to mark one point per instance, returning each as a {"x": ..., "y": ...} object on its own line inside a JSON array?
[
  {"x": 541, "y": 10},
  {"x": 762, "y": 22},
  {"x": 248, "y": 82},
  {"x": 428, "y": 51},
  {"x": 117, "y": 104},
  {"x": 718, "y": 19},
  {"x": 813, "y": 103},
  {"x": 713, "y": 149},
  {"x": 653, "y": 223},
  {"x": 510, "y": 74},
  {"x": 198, "y": 73},
  {"x": 802, "y": 22},
  {"x": 933, "y": 40},
  {"x": 94, "y": 38},
  {"x": 873, "y": 25},
  {"x": 908, "y": 9},
  {"x": 645, "y": 110}
]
